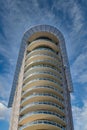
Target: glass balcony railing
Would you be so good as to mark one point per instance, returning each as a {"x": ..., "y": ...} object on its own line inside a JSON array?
[
  {"x": 47, "y": 72},
  {"x": 39, "y": 87},
  {"x": 36, "y": 62},
  {"x": 44, "y": 57},
  {"x": 49, "y": 53},
  {"x": 61, "y": 118},
  {"x": 43, "y": 67},
  {"x": 51, "y": 75},
  {"x": 42, "y": 94},
  {"x": 47, "y": 49},
  {"x": 42, "y": 103},
  {"x": 45, "y": 122},
  {"x": 35, "y": 80},
  {"x": 45, "y": 41},
  {"x": 48, "y": 79},
  {"x": 42, "y": 112}
]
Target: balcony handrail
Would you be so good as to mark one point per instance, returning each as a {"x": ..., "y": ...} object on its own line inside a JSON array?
[
  {"x": 24, "y": 85},
  {"x": 43, "y": 66},
  {"x": 47, "y": 72},
  {"x": 45, "y": 40},
  {"x": 42, "y": 94},
  {"x": 58, "y": 80},
  {"x": 45, "y": 53},
  {"x": 49, "y": 61},
  {"x": 42, "y": 122},
  {"x": 48, "y": 56},
  {"x": 43, "y": 87},
  {"x": 41, "y": 103},
  {"x": 42, "y": 112}
]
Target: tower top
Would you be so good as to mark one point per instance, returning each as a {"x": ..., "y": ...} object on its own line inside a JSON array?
[{"x": 29, "y": 36}]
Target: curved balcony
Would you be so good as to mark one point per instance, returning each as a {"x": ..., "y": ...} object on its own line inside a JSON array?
[
  {"x": 42, "y": 57},
  {"x": 41, "y": 62},
  {"x": 40, "y": 124},
  {"x": 44, "y": 89},
  {"x": 39, "y": 82},
  {"x": 44, "y": 74},
  {"x": 42, "y": 97},
  {"x": 41, "y": 69},
  {"x": 43, "y": 112},
  {"x": 41, "y": 105},
  {"x": 41, "y": 115},
  {"x": 44, "y": 51},
  {"x": 39, "y": 43}
]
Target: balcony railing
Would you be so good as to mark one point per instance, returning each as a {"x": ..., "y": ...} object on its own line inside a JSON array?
[
  {"x": 45, "y": 122},
  {"x": 44, "y": 43},
  {"x": 42, "y": 94},
  {"x": 42, "y": 112},
  {"x": 44, "y": 56},
  {"x": 45, "y": 79},
  {"x": 58, "y": 67},
  {"x": 42, "y": 103},
  {"x": 55, "y": 77},
  {"x": 43, "y": 67},
  {"x": 49, "y": 87},
  {"x": 49, "y": 53}
]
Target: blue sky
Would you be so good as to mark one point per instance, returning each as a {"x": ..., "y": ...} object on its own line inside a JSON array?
[{"x": 70, "y": 17}]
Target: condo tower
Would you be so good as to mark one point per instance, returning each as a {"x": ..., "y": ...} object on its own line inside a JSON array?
[{"x": 40, "y": 95}]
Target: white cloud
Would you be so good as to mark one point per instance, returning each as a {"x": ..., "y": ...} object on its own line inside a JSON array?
[
  {"x": 80, "y": 117},
  {"x": 71, "y": 21},
  {"x": 73, "y": 10},
  {"x": 83, "y": 77},
  {"x": 5, "y": 85},
  {"x": 79, "y": 68},
  {"x": 4, "y": 112},
  {"x": 77, "y": 17},
  {"x": 72, "y": 97}
]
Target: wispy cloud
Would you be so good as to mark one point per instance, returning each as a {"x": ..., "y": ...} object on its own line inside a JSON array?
[
  {"x": 77, "y": 17},
  {"x": 5, "y": 85},
  {"x": 4, "y": 112},
  {"x": 72, "y": 97},
  {"x": 70, "y": 18},
  {"x": 79, "y": 69},
  {"x": 80, "y": 117}
]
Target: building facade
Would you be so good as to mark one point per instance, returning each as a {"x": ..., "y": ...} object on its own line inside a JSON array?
[{"x": 40, "y": 95}]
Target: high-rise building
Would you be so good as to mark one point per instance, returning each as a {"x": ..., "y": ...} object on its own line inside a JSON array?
[{"x": 40, "y": 95}]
